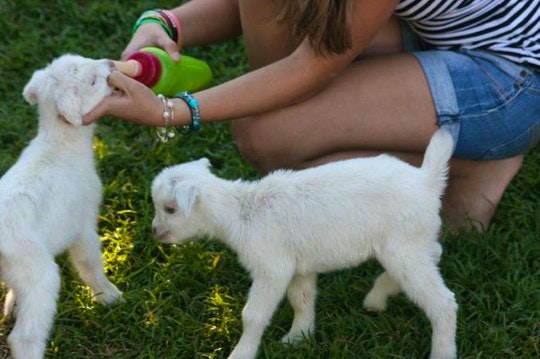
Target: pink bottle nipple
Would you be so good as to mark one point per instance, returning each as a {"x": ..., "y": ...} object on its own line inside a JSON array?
[{"x": 150, "y": 68}]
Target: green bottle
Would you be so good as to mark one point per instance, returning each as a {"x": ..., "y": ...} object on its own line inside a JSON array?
[{"x": 154, "y": 68}]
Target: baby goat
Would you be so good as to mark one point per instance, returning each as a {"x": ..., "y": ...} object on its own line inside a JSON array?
[
  {"x": 49, "y": 202},
  {"x": 290, "y": 225}
]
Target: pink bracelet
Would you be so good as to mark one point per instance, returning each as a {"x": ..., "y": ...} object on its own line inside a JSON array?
[{"x": 174, "y": 18}]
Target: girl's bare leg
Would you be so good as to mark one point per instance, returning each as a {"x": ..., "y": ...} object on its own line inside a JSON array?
[
  {"x": 475, "y": 190},
  {"x": 380, "y": 104}
]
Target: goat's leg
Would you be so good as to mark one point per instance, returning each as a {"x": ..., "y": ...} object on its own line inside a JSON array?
[
  {"x": 264, "y": 297},
  {"x": 302, "y": 292},
  {"x": 383, "y": 288},
  {"x": 35, "y": 280},
  {"x": 85, "y": 255},
  {"x": 418, "y": 276}
]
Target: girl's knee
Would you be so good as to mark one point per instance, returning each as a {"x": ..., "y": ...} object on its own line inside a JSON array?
[{"x": 259, "y": 145}]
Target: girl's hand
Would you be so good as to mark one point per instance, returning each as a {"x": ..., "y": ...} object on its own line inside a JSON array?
[
  {"x": 132, "y": 101},
  {"x": 151, "y": 35}
]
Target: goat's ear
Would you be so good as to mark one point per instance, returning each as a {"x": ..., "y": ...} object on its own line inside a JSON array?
[
  {"x": 205, "y": 162},
  {"x": 69, "y": 104},
  {"x": 186, "y": 193},
  {"x": 33, "y": 87}
]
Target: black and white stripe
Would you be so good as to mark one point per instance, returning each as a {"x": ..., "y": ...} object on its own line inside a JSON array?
[{"x": 508, "y": 27}]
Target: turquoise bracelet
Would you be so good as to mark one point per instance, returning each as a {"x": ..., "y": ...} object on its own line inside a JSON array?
[{"x": 193, "y": 105}]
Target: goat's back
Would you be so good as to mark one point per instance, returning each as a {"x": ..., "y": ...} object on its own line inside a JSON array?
[
  {"x": 336, "y": 215},
  {"x": 380, "y": 186},
  {"x": 50, "y": 194},
  {"x": 369, "y": 193}
]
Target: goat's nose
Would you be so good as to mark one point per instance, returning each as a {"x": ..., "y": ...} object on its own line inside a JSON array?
[{"x": 160, "y": 234}]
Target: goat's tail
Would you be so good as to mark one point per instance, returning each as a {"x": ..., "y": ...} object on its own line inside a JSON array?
[{"x": 438, "y": 152}]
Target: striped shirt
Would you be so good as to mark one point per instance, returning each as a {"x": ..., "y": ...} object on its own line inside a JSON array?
[{"x": 510, "y": 28}]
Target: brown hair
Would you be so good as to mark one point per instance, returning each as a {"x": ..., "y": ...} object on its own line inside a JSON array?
[{"x": 324, "y": 22}]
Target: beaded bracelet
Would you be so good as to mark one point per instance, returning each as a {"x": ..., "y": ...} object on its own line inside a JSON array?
[
  {"x": 165, "y": 133},
  {"x": 174, "y": 24},
  {"x": 193, "y": 105}
]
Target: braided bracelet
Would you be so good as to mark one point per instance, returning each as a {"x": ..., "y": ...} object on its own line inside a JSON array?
[
  {"x": 152, "y": 16},
  {"x": 193, "y": 105},
  {"x": 166, "y": 19}
]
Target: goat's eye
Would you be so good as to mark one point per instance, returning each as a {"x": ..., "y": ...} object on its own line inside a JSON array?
[
  {"x": 94, "y": 80},
  {"x": 170, "y": 210}
]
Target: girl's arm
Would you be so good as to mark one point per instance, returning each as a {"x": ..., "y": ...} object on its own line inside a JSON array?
[
  {"x": 208, "y": 21},
  {"x": 293, "y": 78},
  {"x": 282, "y": 83},
  {"x": 202, "y": 22}
]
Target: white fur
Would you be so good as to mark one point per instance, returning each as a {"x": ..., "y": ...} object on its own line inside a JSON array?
[
  {"x": 289, "y": 226},
  {"x": 49, "y": 202}
]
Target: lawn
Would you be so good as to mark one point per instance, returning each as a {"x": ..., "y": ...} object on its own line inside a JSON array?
[{"x": 185, "y": 301}]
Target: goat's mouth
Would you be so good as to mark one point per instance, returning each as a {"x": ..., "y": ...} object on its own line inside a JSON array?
[
  {"x": 162, "y": 235},
  {"x": 63, "y": 119}
]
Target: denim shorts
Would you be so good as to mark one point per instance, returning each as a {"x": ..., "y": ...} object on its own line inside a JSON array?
[{"x": 490, "y": 105}]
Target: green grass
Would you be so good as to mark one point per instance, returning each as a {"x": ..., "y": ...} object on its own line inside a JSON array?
[{"x": 186, "y": 301}]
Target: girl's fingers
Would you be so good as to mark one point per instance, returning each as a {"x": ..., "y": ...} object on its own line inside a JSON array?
[
  {"x": 132, "y": 101},
  {"x": 149, "y": 34},
  {"x": 170, "y": 47},
  {"x": 96, "y": 113},
  {"x": 118, "y": 80}
]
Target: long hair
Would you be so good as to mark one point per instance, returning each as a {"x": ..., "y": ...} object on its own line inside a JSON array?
[{"x": 324, "y": 22}]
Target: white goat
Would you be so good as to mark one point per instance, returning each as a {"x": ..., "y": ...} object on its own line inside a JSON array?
[
  {"x": 49, "y": 202},
  {"x": 289, "y": 226}
]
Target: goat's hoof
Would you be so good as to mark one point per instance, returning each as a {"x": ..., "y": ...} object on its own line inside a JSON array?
[
  {"x": 109, "y": 297},
  {"x": 10, "y": 305},
  {"x": 291, "y": 340},
  {"x": 372, "y": 304},
  {"x": 242, "y": 354},
  {"x": 295, "y": 338},
  {"x": 443, "y": 356},
  {"x": 24, "y": 347}
]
